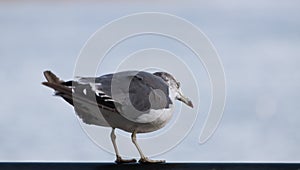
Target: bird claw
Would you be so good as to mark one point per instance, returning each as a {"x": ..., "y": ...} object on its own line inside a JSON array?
[
  {"x": 150, "y": 161},
  {"x": 119, "y": 160}
]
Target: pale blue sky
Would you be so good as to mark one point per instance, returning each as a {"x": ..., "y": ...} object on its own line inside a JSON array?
[{"x": 258, "y": 43}]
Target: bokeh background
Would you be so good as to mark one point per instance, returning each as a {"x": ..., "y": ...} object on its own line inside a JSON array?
[{"x": 258, "y": 43}]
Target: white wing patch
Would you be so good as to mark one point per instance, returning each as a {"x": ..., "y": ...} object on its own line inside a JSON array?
[{"x": 84, "y": 91}]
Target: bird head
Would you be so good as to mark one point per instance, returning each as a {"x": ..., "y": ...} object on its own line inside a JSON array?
[{"x": 174, "y": 87}]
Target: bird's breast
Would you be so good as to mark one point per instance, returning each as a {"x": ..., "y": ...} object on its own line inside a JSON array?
[{"x": 156, "y": 115}]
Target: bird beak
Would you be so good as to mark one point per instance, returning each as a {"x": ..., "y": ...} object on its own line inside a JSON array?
[{"x": 185, "y": 100}]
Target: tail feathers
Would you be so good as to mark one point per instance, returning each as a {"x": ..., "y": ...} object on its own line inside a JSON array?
[
  {"x": 64, "y": 89},
  {"x": 58, "y": 87},
  {"x": 55, "y": 83},
  {"x": 61, "y": 90},
  {"x": 52, "y": 78}
]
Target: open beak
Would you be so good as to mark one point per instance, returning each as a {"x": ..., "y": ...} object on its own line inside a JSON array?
[{"x": 185, "y": 100}]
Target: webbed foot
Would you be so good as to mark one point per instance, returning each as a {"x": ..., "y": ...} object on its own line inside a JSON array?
[
  {"x": 146, "y": 160},
  {"x": 120, "y": 160}
]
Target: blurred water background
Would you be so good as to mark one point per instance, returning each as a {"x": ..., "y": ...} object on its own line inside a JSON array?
[{"x": 258, "y": 43}]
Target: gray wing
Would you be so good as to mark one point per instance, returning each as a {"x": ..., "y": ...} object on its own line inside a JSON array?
[{"x": 142, "y": 90}]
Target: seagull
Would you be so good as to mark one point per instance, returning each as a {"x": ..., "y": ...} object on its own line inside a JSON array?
[{"x": 133, "y": 101}]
